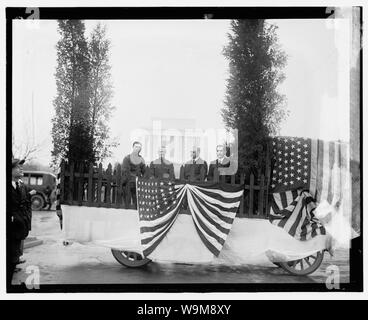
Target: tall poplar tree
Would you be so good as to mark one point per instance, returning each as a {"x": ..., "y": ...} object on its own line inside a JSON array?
[
  {"x": 80, "y": 129},
  {"x": 101, "y": 92},
  {"x": 252, "y": 103},
  {"x": 71, "y": 123}
]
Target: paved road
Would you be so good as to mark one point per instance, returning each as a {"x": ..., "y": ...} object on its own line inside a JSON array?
[{"x": 80, "y": 264}]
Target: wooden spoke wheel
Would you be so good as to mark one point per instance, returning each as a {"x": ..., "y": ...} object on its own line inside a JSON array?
[
  {"x": 129, "y": 259},
  {"x": 305, "y": 266}
]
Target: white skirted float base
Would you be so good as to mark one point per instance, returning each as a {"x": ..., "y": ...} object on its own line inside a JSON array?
[{"x": 250, "y": 241}]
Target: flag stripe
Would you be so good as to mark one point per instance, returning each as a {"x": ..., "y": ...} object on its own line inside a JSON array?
[
  {"x": 155, "y": 227},
  {"x": 330, "y": 171},
  {"x": 304, "y": 230},
  {"x": 224, "y": 188},
  {"x": 284, "y": 201},
  {"x": 209, "y": 228},
  {"x": 207, "y": 240},
  {"x": 283, "y": 221},
  {"x": 289, "y": 198},
  {"x": 224, "y": 196},
  {"x": 336, "y": 182},
  {"x": 212, "y": 219},
  {"x": 296, "y": 225},
  {"x": 314, "y": 230},
  {"x": 225, "y": 205},
  {"x": 212, "y": 248},
  {"x": 149, "y": 249},
  {"x": 220, "y": 196},
  {"x": 208, "y": 232},
  {"x": 326, "y": 171},
  {"x": 274, "y": 208},
  {"x": 277, "y": 208},
  {"x": 319, "y": 171},
  {"x": 289, "y": 222},
  {"x": 313, "y": 168},
  {"x": 225, "y": 212},
  {"x": 226, "y": 217},
  {"x": 150, "y": 236},
  {"x": 277, "y": 200}
]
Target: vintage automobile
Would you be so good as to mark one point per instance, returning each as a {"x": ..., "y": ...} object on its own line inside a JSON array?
[{"x": 44, "y": 183}]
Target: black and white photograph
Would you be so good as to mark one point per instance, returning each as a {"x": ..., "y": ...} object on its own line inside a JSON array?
[{"x": 192, "y": 149}]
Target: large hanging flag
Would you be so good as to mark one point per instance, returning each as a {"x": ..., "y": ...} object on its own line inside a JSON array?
[
  {"x": 321, "y": 167},
  {"x": 213, "y": 207},
  {"x": 300, "y": 164}
]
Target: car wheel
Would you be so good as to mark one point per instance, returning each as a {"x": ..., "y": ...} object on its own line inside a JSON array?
[
  {"x": 305, "y": 266},
  {"x": 37, "y": 202},
  {"x": 130, "y": 259}
]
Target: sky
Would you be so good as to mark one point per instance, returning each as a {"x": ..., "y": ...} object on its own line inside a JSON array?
[{"x": 175, "y": 69}]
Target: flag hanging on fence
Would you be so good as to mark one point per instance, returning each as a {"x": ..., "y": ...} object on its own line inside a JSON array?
[
  {"x": 213, "y": 208},
  {"x": 319, "y": 167}
]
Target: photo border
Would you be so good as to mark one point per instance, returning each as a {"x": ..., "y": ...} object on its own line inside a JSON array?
[{"x": 112, "y": 13}]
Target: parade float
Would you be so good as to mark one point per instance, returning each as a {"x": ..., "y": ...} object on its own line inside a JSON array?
[{"x": 290, "y": 215}]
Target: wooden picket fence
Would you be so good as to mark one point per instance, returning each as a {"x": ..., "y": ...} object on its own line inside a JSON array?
[{"x": 93, "y": 186}]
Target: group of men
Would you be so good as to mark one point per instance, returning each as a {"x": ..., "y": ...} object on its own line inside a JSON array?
[{"x": 196, "y": 169}]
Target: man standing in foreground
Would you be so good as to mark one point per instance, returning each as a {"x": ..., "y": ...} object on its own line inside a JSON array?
[{"x": 19, "y": 214}]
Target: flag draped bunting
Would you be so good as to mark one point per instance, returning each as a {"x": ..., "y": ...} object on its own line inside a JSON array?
[{"x": 213, "y": 208}]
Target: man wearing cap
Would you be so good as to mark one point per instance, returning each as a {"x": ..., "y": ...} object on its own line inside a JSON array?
[
  {"x": 194, "y": 167},
  {"x": 19, "y": 213},
  {"x": 221, "y": 162},
  {"x": 162, "y": 168}
]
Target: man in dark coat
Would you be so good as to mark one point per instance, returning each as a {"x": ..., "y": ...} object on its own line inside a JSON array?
[
  {"x": 19, "y": 213},
  {"x": 193, "y": 167},
  {"x": 161, "y": 167},
  {"x": 221, "y": 162}
]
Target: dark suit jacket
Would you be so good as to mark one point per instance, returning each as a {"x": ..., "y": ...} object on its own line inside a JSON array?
[
  {"x": 20, "y": 212},
  {"x": 215, "y": 164},
  {"x": 130, "y": 170},
  {"x": 190, "y": 168},
  {"x": 163, "y": 170}
]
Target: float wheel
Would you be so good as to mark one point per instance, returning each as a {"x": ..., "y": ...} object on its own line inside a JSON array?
[
  {"x": 304, "y": 266},
  {"x": 129, "y": 258}
]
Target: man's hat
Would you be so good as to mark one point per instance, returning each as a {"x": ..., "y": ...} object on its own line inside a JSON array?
[{"x": 16, "y": 162}]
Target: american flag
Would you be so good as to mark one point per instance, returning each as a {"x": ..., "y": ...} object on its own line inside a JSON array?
[
  {"x": 317, "y": 167},
  {"x": 213, "y": 208},
  {"x": 158, "y": 203}
]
